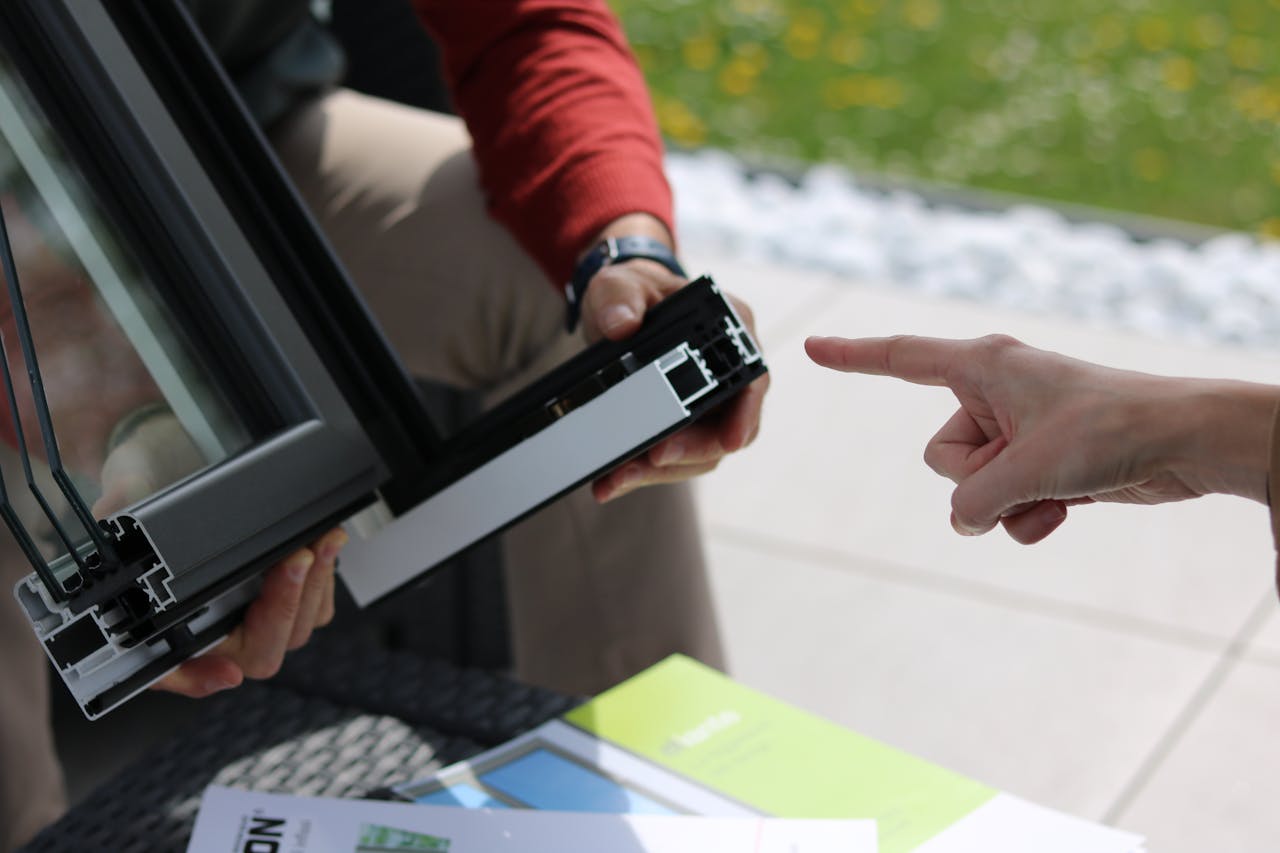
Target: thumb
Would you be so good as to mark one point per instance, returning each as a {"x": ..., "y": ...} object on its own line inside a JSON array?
[
  {"x": 618, "y": 320},
  {"x": 615, "y": 305},
  {"x": 984, "y": 497}
]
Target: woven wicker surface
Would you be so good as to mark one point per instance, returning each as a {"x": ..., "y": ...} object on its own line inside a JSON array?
[
  {"x": 480, "y": 705},
  {"x": 338, "y": 721}
]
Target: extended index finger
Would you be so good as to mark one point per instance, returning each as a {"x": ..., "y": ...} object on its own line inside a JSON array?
[{"x": 924, "y": 361}]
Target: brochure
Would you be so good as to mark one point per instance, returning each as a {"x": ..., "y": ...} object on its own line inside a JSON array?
[
  {"x": 683, "y": 739},
  {"x": 234, "y": 821}
]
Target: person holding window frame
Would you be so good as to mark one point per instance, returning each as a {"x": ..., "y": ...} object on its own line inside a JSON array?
[{"x": 453, "y": 230}]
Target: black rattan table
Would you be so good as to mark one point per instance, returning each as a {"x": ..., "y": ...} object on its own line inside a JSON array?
[{"x": 340, "y": 720}]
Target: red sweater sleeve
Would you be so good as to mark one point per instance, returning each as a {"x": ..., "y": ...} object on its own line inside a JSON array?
[{"x": 560, "y": 119}]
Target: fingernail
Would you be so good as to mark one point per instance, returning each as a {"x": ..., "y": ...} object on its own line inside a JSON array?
[
  {"x": 332, "y": 546},
  {"x": 297, "y": 566},
  {"x": 616, "y": 316},
  {"x": 622, "y": 482},
  {"x": 673, "y": 451},
  {"x": 216, "y": 685}
]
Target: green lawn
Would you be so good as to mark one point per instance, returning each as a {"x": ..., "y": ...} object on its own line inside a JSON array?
[{"x": 1163, "y": 107}]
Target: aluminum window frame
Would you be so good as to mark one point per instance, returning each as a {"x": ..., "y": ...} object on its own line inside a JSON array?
[{"x": 315, "y": 460}]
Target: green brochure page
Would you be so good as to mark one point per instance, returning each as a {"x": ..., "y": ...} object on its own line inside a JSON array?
[{"x": 775, "y": 758}]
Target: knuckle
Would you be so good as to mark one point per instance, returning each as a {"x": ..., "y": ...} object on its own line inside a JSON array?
[
  {"x": 999, "y": 344},
  {"x": 933, "y": 458},
  {"x": 893, "y": 345},
  {"x": 263, "y": 666}
]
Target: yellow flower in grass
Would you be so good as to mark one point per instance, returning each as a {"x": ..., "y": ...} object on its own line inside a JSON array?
[
  {"x": 1270, "y": 228},
  {"x": 1154, "y": 34},
  {"x": 737, "y": 77},
  {"x": 888, "y": 94},
  {"x": 679, "y": 122},
  {"x": 1249, "y": 101},
  {"x": 1110, "y": 33},
  {"x": 1208, "y": 32},
  {"x": 700, "y": 52},
  {"x": 1257, "y": 102},
  {"x": 854, "y": 12},
  {"x": 1179, "y": 73},
  {"x": 804, "y": 35},
  {"x": 863, "y": 90},
  {"x": 1247, "y": 52},
  {"x": 1247, "y": 17},
  {"x": 847, "y": 48},
  {"x": 922, "y": 14},
  {"x": 1150, "y": 164},
  {"x": 753, "y": 54}
]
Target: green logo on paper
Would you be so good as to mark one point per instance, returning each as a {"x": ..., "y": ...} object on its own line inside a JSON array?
[{"x": 386, "y": 839}]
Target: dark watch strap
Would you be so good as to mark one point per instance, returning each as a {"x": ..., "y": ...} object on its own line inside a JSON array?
[{"x": 613, "y": 251}]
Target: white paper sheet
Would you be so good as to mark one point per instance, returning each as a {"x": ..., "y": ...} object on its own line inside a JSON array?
[
  {"x": 233, "y": 821},
  {"x": 1009, "y": 824}
]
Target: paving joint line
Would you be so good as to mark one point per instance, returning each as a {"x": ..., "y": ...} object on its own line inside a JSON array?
[
  {"x": 912, "y": 576},
  {"x": 1191, "y": 712}
]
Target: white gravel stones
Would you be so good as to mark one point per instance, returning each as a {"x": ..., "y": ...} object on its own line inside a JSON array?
[{"x": 1226, "y": 290}]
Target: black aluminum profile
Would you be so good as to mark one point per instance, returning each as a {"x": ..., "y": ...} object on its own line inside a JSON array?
[
  {"x": 691, "y": 315},
  {"x": 309, "y": 276},
  {"x": 95, "y": 126},
  {"x": 310, "y": 461}
]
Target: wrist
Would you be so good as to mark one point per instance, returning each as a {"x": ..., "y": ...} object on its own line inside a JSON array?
[
  {"x": 629, "y": 225},
  {"x": 1225, "y": 445},
  {"x": 617, "y": 248}
]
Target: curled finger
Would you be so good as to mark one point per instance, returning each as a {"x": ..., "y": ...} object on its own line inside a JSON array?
[
  {"x": 1036, "y": 522},
  {"x": 960, "y": 447},
  {"x": 268, "y": 624},
  {"x": 639, "y": 473},
  {"x": 319, "y": 581},
  {"x": 202, "y": 676}
]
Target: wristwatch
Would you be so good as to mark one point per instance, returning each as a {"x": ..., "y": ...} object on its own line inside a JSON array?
[{"x": 613, "y": 251}]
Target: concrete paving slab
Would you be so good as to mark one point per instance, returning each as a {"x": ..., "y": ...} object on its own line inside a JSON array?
[
  {"x": 1050, "y": 709},
  {"x": 1216, "y": 790},
  {"x": 1264, "y": 647}
]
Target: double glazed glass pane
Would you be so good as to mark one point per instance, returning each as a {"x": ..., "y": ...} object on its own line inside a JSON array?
[{"x": 132, "y": 407}]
